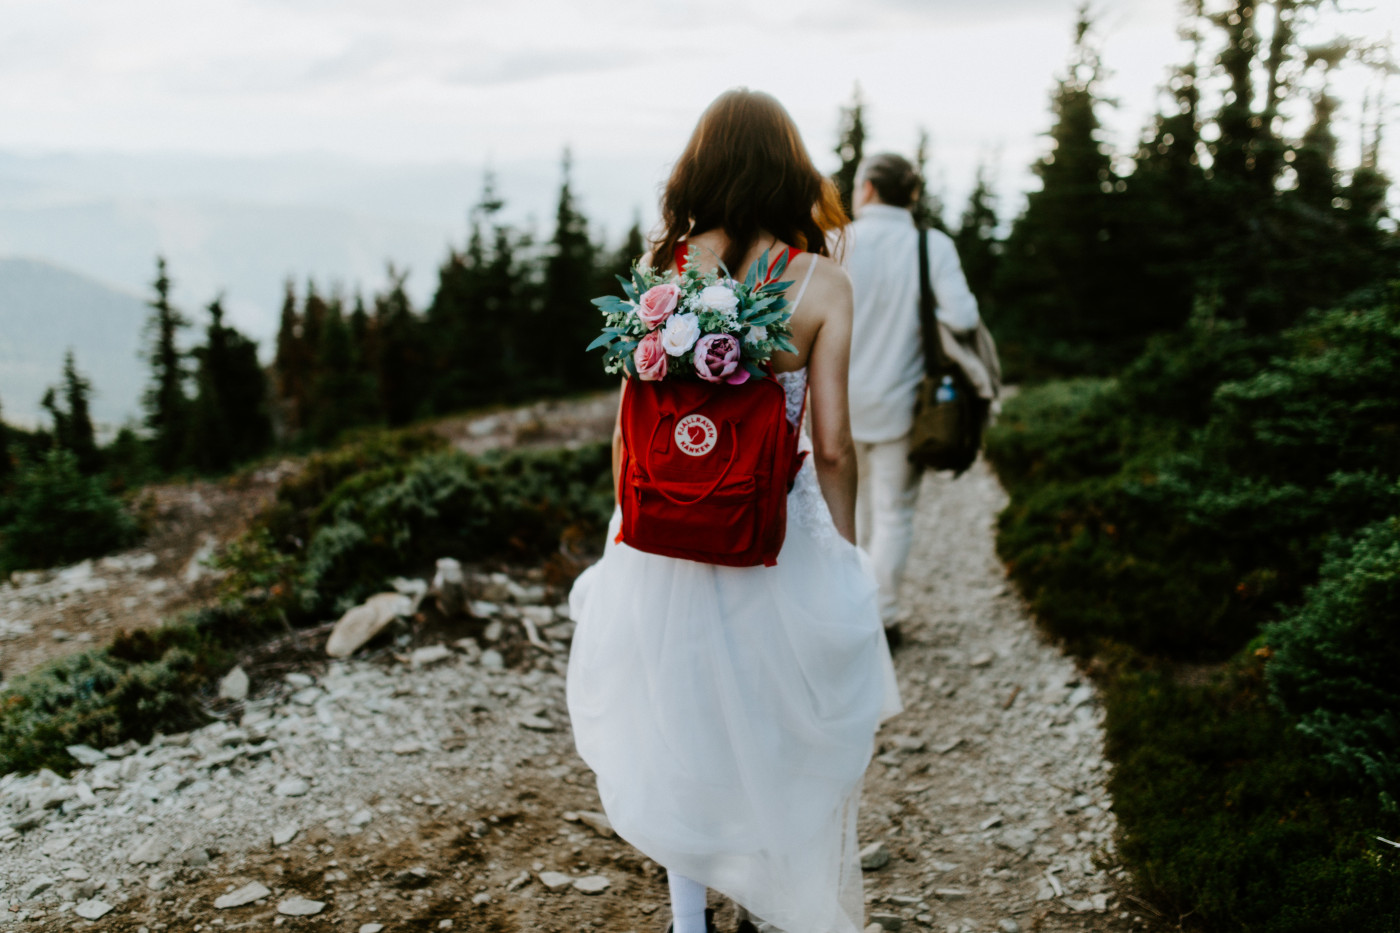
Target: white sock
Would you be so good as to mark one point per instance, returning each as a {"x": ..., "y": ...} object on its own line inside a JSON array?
[{"x": 687, "y": 904}]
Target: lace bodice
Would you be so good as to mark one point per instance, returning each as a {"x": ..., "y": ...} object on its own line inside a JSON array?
[
  {"x": 795, "y": 388},
  {"x": 805, "y": 503}
]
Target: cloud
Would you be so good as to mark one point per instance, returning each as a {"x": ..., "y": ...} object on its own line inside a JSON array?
[{"x": 494, "y": 68}]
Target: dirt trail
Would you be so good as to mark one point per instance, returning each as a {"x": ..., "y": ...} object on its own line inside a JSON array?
[{"x": 443, "y": 794}]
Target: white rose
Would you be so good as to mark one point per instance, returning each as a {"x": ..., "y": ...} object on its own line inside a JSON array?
[
  {"x": 680, "y": 333},
  {"x": 756, "y": 335},
  {"x": 719, "y": 298}
]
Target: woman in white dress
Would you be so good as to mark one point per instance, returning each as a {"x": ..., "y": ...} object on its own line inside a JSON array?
[{"x": 729, "y": 713}]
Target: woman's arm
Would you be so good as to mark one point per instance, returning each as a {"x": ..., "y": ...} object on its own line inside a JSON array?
[
  {"x": 617, "y": 447},
  {"x": 833, "y": 451}
]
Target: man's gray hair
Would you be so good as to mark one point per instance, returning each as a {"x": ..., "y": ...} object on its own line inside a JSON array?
[{"x": 895, "y": 179}]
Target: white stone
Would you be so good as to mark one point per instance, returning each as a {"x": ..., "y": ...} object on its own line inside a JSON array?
[
  {"x": 86, "y": 755},
  {"x": 244, "y": 895},
  {"x": 598, "y": 822},
  {"x": 149, "y": 852},
  {"x": 234, "y": 685},
  {"x": 362, "y": 817},
  {"x": 300, "y": 907},
  {"x": 93, "y": 909},
  {"x": 365, "y": 621},
  {"x": 537, "y": 723},
  {"x": 1007, "y": 925},
  {"x": 36, "y": 887},
  {"x": 371, "y": 928},
  {"x": 874, "y": 857},
  {"x": 492, "y": 660},
  {"x": 554, "y": 880},
  {"x": 593, "y": 884},
  {"x": 285, "y": 834},
  {"x": 429, "y": 655},
  {"x": 291, "y": 787}
]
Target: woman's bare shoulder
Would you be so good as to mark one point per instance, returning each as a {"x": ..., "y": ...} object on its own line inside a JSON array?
[{"x": 829, "y": 290}]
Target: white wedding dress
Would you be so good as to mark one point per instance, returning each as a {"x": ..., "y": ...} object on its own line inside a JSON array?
[{"x": 730, "y": 713}]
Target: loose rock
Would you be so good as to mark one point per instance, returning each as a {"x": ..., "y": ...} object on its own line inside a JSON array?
[
  {"x": 292, "y": 787},
  {"x": 593, "y": 884},
  {"x": 554, "y": 880},
  {"x": 234, "y": 685},
  {"x": 300, "y": 907},
  {"x": 874, "y": 857},
  {"x": 93, "y": 909},
  {"x": 244, "y": 895}
]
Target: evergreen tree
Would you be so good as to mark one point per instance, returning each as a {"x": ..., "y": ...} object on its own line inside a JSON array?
[
  {"x": 1060, "y": 285},
  {"x": 976, "y": 238},
  {"x": 167, "y": 407},
  {"x": 633, "y": 246},
  {"x": 76, "y": 433},
  {"x": 567, "y": 315},
  {"x": 403, "y": 359},
  {"x": 343, "y": 395},
  {"x": 928, "y": 208},
  {"x": 7, "y": 465},
  {"x": 229, "y": 419},
  {"x": 291, "y": 365},
  {"x": 850, "y": 147}
]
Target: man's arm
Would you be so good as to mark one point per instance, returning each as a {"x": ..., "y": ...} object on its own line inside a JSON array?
[{"x": 957, "y": 306}]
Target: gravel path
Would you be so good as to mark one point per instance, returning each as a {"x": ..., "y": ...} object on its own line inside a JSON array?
[{"x": 445, "y": 794}]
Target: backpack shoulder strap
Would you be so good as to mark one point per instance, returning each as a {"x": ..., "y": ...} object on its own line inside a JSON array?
[{"x": 935, "y": 360}]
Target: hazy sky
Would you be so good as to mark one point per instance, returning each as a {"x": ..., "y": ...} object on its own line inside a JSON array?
[{"x": 432, "y": 80}]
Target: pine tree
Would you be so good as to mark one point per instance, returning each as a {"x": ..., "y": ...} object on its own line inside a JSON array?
[
  {"x": 850, "y": 147},
  {"x": 290, "y": 365},
  {"x": 229, "y": 420},
  {"x": 928, "y": 208},
  {"x": 566, "y": 314},
  {"x": 976, "y": 238},
  {"x": 7, "y": 465},
  {"x": 403, "y": 363},
  {"x": 1059, "y": 291},
  {"x": 79, "y": 436},
  {"x": 343, "y": 395},
  {"x": 167, "y": 407}
]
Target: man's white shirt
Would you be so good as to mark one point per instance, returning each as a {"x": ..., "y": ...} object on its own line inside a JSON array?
[{"x": 887, "y": 356}]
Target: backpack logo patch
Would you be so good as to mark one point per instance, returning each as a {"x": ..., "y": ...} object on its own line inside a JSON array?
[{"x": 696, "y": 435}]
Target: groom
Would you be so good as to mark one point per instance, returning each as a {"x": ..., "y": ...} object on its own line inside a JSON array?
[{"x": 887, "y": 358}]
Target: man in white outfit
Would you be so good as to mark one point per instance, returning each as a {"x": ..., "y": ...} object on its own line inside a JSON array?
[{"x": 887, "y": 356}]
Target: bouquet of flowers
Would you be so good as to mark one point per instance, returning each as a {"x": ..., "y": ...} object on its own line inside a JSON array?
[{"x": 696, "y": 325}]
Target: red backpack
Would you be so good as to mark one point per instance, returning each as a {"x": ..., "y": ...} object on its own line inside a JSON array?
[{"x": 706, "y": 470}]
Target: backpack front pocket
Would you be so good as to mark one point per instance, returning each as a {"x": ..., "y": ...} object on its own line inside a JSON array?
[{"x": 681, "y": 514}]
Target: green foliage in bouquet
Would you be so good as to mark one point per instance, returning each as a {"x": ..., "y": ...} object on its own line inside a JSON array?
[
  {"x": 1337, "y": 659},
  {"x": 758, "y": 318},
  {"x": 55, "y": 514}
]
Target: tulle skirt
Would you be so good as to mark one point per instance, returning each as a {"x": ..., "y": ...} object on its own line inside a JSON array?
[{"x": 729, "y": 714}]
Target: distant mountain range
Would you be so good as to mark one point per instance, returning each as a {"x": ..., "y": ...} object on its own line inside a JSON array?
[
  {"x": 44, "y": 310},
  {"x": 242, "y": 226}
]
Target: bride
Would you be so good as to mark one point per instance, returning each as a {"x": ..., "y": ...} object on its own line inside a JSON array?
[{"x": 729, "y": 713}]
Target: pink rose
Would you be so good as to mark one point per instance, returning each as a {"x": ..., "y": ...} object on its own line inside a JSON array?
[
  {"x": 657, "y": 303},
  {"x": 717, "y": 359},
  {"x": 650, "y": 358}
]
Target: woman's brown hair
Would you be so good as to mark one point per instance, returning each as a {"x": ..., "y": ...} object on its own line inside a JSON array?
[{"x": 745, "y": 171}]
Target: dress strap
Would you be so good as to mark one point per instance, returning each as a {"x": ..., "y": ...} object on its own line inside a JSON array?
[{"x": 802, "y": 290}]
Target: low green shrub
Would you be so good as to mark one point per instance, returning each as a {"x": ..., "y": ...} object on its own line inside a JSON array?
[
  {"x": 144, "y": 682},
  {"x": 448, "y": 504},
  {"x": 1178, "y": 528},
  {"x": 56, "y": 515},
  {"x": 1231, "y": 819},
  {"x": 1337, "y": 659}
]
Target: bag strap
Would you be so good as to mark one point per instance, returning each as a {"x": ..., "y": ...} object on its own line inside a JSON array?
[{"x": 935, "y": 360}]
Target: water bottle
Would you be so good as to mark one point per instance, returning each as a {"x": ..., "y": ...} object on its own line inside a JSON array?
[{"x": 946, "y": 392}]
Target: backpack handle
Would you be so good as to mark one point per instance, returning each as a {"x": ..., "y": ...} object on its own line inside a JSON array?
[{"x": 733, "y": 455}]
